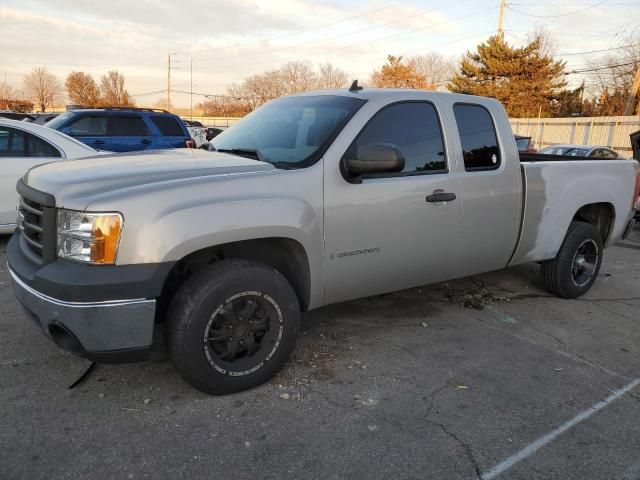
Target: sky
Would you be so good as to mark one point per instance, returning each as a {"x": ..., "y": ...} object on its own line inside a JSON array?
[{"x": 229, "y": 40}]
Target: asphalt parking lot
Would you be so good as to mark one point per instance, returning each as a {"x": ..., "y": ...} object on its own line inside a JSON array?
[{"x": 484, "y": 377}]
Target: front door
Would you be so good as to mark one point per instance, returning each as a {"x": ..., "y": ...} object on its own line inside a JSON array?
[{"x": 390, "y": 232}]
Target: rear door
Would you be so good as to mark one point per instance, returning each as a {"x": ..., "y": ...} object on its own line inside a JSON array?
[
  {"x": 172, "y": 132},
  {"x": 491, "y": 186},
  {"x": 129, "y": 133},
  {"x": 90, "y": 129},
  {"x": 19, "y": 151}
]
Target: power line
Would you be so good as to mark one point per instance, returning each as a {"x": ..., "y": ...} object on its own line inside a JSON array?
[
  {"x": 345, "y": 47},
  {"x": 559, "y": 14},
  {"x": 300, "y": 32},
  {"x": 280, "y": 49}
]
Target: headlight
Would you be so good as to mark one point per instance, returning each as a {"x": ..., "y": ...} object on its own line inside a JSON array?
[{"x": 89, "y": 237}]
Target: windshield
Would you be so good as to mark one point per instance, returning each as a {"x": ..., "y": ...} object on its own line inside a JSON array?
[
  {"x": 59, "y": 120},
  {"x": 570, "y": 151},
  {"x": 290, "y": 132}
]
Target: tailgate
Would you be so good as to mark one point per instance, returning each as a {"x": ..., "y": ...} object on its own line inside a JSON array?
[{"x": 635, "y": 144}]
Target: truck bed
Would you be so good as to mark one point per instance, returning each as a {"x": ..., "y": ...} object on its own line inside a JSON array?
[{"x": 556, "y": 187}]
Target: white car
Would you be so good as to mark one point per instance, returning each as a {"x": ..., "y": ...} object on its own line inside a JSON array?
[{"x": 24, "y": 145}]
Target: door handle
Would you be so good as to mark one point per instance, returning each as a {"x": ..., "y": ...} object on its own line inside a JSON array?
[
  {"x": 145, "y": 141},
  {"x": 440, "y": 196},
  {"x": 98, "y": 142}
]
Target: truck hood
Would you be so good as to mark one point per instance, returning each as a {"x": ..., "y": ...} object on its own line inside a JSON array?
[
  {"x": 83, "y": 179},
  {"x": 635, "y": 144}
]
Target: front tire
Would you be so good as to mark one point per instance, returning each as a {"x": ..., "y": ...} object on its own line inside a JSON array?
[
  {"x": 576, "y": 266},
  {"x": 232, "y": 326}
]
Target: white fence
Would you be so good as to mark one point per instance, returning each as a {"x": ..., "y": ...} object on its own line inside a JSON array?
[
  {"x": 612, "y": 132},
  {"x": 222, "y": 122}
]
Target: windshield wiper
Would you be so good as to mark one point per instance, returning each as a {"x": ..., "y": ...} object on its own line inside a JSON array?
[
  {"x": 254, "y": 154},
  {"x": 243, "y": 152}
]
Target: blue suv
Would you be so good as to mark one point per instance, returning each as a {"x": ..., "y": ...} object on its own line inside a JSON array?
[{"x": 124, "y": 129}]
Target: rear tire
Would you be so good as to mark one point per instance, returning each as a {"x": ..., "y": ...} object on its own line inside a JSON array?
[
  {"x": 576, "y": 266},
  {"x": 232, "y": 326}
]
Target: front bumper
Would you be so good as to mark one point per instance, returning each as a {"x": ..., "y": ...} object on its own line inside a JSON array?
[
  {"x": 110, "y": 332},
  {"x": 102, "y": 313}
]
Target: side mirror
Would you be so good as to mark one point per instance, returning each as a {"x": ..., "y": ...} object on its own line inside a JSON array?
[
  {"x": 67, "y": 130},
  {"x": 376, "y": 158}
]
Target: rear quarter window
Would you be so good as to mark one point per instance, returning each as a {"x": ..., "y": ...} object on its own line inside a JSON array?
[
  {"x": 478, "y": 137},
  {"x": 168, "y": 126}
]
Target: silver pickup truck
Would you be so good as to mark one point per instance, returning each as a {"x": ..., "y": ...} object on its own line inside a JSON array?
[{"x": 312, "y": 199}]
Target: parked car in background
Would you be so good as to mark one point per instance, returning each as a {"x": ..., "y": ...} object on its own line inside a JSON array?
[
  {"x": 312, "y": 199},
  {"x": 525, "y": 144},
  {"x": 197, "y": 131},
  {"x": 580, "y": 151},
  {"x": 124, "y": 129},
  {"x": 16, "y": 115},
  {"x": 24, "y": 145},
  {"x": 213, "y": 132},
  {"x": 42, "y": 118},
  {"x": 635, "y": 145}
]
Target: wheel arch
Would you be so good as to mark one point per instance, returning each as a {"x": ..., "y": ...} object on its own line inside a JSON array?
[
  {"x": 601, "y": 215},
  {"x": 286, "y": 255}
]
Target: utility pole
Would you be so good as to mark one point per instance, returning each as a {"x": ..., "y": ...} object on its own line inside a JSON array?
[
  {"x": 191, "y": 92},
  {"x": 169, "y": 81},
  {"x": 634, "y": 96},
  {"x": 503, "y": 5},
  {"x": 169, "y": 68}
]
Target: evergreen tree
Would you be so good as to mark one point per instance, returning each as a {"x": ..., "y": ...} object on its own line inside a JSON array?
[{"x": 527, "y": 80}]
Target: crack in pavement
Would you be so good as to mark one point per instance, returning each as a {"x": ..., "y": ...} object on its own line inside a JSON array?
[{"x": 465, "y": 446}]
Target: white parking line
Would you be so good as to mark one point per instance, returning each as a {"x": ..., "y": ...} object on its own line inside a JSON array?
[{"x": 549, "y": 437}]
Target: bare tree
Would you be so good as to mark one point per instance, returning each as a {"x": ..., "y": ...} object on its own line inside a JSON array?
[
  {"x": 42, "y": 87},
  {"x": 436, "y": 69},
  {"x": 82, "y": 89},
  {"x": 6, "y": 91},
  {"x": 611, "y": 86},
  {"x": 114, "y": 94},
  {"x": 330, "y": 76},
  {"x": 298, "y": 76}
]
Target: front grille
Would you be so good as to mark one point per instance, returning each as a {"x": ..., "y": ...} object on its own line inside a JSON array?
[
  {"x": 30, "y": 222},
  {"x": 37, "y": 223}
]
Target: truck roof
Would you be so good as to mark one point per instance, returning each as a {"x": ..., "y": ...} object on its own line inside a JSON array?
[{"x": 394, "y": 93}]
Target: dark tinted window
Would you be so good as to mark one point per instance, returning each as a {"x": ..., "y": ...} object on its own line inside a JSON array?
[
  {"x": 413, "y": 128},
  {"x": 36, "y": 147},
  {"x": 478, "y": 137},
  {"x": 11, "y": 142},
  {"x": 16, "y": 143},
  {"x": 90, "y": 126},
  {"x": 133, "y": 126},
  {"x": 168, "y": 126}
]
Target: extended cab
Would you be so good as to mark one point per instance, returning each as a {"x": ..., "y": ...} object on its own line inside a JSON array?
[{"x": 312, "y": 199}]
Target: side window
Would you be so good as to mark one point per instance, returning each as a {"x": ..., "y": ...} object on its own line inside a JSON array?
[
  {"x": 478, "y": 136},
  {"x": 168, "y": 126},
  {"x": 36, "y": 147},
  {"x": 606, "y": 153},
  {"x": 413, "y": 127},
  {"x": 11, "y": 142},
  {"x": 132, "y": 126},
  {"x": 92, "y": 126}
]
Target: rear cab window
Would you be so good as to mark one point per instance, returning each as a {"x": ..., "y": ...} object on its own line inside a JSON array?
[
  {"x": 168, "y": 126},
  {"x": 478, "y": 137}
]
